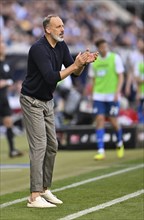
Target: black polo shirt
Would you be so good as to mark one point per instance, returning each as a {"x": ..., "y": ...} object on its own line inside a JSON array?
[{"x": 43, "y": 70}]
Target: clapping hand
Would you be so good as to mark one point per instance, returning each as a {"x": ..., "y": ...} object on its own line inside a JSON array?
[
  {"x": 91, "y": 57},
  {"x": 85, "y": 58}
]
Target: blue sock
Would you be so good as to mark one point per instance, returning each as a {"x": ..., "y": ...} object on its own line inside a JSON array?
[
  {"x": 141, "y": 113},
  {"x": 119, "y": 137},
  {"x": 99, "y": 137}
]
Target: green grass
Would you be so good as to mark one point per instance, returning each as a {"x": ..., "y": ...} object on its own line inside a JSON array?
[{"x": 71, "y": 167}]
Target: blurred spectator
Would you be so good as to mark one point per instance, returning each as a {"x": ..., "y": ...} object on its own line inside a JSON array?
[
  {"x": 84, "y": 22},
  {"x": 5, "y": 111},
  {"x": 67, "y": 99},
  {"x": 139, "y": 75},
  {"x": 134, "y": 56}
]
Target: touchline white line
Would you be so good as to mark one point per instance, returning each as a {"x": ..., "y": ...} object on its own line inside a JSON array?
[
  {"x": 102, "y": 206},
  {"x": 77, "y": 184}
]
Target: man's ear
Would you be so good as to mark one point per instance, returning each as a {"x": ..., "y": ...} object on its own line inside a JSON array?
[{"x": 47, "y": 30}]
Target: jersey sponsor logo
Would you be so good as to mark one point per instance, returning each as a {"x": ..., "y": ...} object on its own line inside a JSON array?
[{"x": 101, "y": 73}]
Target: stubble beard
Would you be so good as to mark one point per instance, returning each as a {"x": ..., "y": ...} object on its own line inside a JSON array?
[{"x": 57, "y": 38}]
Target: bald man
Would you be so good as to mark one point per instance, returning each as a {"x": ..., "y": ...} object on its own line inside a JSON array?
[{"x": 45, "y": 60}]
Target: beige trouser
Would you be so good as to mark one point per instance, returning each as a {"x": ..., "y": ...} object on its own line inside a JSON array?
[{"x": 40, "y": 128}]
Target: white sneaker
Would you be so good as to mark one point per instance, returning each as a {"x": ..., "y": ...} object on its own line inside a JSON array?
[
  {"x": 47, "y": 195},
  {"x": 40, "y": 203}
]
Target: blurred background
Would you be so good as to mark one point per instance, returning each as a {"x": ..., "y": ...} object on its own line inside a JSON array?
[{"x": 120, "y": 22}]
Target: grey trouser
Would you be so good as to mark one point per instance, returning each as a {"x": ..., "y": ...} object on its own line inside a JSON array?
[{"x": 40, "y": 128}]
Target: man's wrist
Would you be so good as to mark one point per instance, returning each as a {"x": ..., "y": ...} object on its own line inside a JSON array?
[
  {"x": 75, "y": 67},
  {"x": 85, "y": 64}
]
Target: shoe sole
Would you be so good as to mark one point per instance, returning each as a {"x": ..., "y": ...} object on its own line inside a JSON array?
[{"x": 32, "y": 206}]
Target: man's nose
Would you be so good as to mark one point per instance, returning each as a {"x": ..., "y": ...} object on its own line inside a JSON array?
[{"x": 62, "y": 28}]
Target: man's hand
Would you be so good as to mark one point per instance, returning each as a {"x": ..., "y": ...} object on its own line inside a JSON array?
[
  {"x": 117, "y": 96},
  {"x": 81, "y": 59},
  {"x": 91, "y": 56},
  {"x": 85, "y": 58}
]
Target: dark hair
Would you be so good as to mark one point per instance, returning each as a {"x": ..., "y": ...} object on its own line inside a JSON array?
[
  {"x": 47, "y": 19},
  {"x": 140, "y": 37},
  {"x": 100, "y": 41}
]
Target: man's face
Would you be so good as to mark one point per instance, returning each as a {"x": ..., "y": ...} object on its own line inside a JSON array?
[
  {"x": 56, "y": 29},
  {"x": 2, "y": 48},
  {"x": 103, "y": 49},
  {"x": 140, "y": 45}
]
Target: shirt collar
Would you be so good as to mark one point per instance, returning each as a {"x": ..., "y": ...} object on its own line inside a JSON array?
[
  {"x": 107, "y": 55},
  {"x": 46, "y": 41}
]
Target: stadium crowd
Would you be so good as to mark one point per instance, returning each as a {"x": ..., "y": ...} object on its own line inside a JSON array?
[{"x": 85, "y": 21}]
